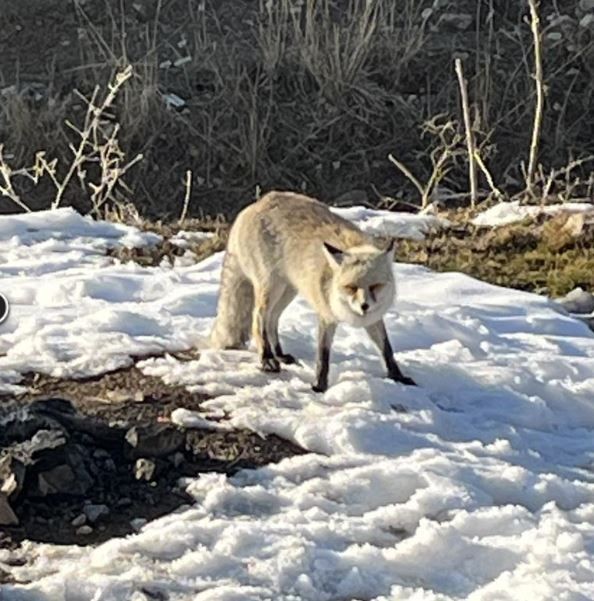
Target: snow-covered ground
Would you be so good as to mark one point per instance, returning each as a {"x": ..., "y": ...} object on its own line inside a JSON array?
[
  {"x": 478, "y": 484},
  {"x": 506, "y": 213},
  {"x": 396, "y": 225}
]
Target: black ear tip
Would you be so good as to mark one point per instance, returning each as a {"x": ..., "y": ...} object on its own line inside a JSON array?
[{"x": 332, "y": 249}]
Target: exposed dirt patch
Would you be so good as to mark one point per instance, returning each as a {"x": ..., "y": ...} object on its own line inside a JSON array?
[
  {"x": 191, "y": 251},
  {"x": 96, "y": 423}
]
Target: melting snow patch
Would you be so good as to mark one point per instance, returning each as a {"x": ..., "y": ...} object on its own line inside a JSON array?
[
  {"x": 395, "y": 225},
  {"x": 506, "y": 213},
  {"x": 184, "y": 238}
]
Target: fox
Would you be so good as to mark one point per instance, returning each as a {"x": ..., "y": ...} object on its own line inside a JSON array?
[{"x": 287, "y": 244}]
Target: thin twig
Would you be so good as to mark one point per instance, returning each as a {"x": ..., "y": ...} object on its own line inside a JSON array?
[
  {"x": 188, "y": 187},
  {"x": 408, "y": 174},
  {"x": 479, "y": 161},
  {"x": 539, "y": 82},
  {"x": 469, "y": 133}
]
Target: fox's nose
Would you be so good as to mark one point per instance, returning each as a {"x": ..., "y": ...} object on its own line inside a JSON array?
[{"x": 364, "y": 307}]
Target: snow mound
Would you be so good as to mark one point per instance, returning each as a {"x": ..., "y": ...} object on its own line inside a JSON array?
[
  {"x": 506, "y": 213},
  {"x": 395, "y": 225}
]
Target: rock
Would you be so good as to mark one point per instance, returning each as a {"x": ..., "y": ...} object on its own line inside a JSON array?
[
  {"x": 94, "y": 512},
  {"x": 137, "y": 523},
  {"x": 101, "y": 454},
  {"x": 58, "y": 480},
  {"x": 177, "y": 459},
  {"x": 12, "y": 475},
  {"x": 587, "y": 5},
  {"x": 84, "y": 530},
  {"x": 578, "y": 301},
  {"x": 79, "y": 520},
  {"x": 68, "y": 478},
  {"x": 7, "y": 515},
  {"x": 156, "y": 440},
  {"x": 144, "y": 469}
]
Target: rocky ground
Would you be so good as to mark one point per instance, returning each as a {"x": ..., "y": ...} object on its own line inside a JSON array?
[{"x": 83, "y": 461}]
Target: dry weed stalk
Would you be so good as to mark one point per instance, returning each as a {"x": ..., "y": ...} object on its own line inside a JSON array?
[
  {"x": 539, "y": 82},
  {"x": 448, "y": 149},
  {"x": 188, "y": 192},
  {"x": 472, "y": 153},
  {"x": 97, "y": 145},
  {"x": 6, "y": 185}
]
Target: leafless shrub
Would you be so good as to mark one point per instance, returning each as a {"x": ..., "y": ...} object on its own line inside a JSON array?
[{"x": 96, "y": 150}]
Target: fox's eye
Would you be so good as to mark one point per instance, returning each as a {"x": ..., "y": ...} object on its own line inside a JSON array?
[
  {"x": 376, "y": 288},
  {"x": 350, "y": 289}
]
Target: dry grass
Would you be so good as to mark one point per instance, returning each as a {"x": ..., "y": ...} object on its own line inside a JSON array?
[
  {"x": 310, "y": 96},
  {"x": 547, "y": 258}
]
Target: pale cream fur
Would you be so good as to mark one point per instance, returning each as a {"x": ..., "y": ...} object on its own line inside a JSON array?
[
  {"x": 286, "y": 244},
  {"x": 276, "y": 249}
]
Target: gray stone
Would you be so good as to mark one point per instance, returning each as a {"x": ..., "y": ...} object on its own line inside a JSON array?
[
  {"x": 578, "y": 301},
  {"x": 177, "y": 459},
  {"x": 156, "y": 440},
  {"x": 79, "y": 520},
  {"x": 58, "y": 480},
  {"x": 137, "y": 523},
  {"x": 12, "y": 475},
  {"x": 7, "y": 515},
  {"x": 94, "y": 512},
  {"x": 84, "y": 530}
]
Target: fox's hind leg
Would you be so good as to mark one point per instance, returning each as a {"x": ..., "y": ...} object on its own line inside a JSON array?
[
  {"x": 260, "y": 321},
  {"x": 282, "y": 301},
  {"x": 377, "y": 333}
]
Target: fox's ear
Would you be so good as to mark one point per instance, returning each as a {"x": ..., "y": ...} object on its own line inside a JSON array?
[{"x": 334, "y": 255}]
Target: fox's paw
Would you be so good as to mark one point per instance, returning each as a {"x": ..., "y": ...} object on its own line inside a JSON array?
[
  {"x": 287, "y": 359},
  {"x": 270, "y": 365},
  {"x": 319, "y": 387},
  {"x": 402, "y": 379}
]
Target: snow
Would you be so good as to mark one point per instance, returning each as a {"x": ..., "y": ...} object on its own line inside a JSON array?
[
  {"x": 185, "y": 238},
  {"x": 506, "y": 213},
  {"x": 395, "y": 225},
  {"x": 478, "y": 484}
]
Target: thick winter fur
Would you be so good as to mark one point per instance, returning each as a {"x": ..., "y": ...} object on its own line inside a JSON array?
[{"x": 286, "y": 244}]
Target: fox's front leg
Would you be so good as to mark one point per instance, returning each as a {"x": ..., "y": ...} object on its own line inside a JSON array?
[
  {"x": 268, "y": 361},
  {"x": 377, "y": 333},
  {"x": 325, "y": 336}
]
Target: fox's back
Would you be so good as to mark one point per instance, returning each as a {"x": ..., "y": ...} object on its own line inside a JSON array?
[{"x": 286, "y": 231}]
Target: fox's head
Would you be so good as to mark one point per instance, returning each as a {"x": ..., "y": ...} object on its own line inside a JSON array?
[{"x": 362, "y": 285}]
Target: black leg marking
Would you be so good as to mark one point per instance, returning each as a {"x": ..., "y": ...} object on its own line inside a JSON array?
[
  {"x": 393, "y": 370},
  {"x": 285, "y": 358},
  {"x": 378, "y": 334},
  {"x": 325, "y": 336},
  {"x": 269, "y": 362}
]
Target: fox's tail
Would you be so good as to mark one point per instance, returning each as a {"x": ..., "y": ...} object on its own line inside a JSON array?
[{"x": 232, "y": 325}]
